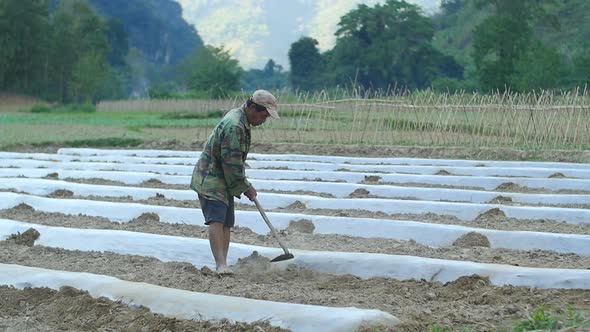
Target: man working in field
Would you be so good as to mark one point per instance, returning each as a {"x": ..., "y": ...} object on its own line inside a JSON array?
[{"x": 220, "y": 172}]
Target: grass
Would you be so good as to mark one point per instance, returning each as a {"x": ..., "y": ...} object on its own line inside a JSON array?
[
  {"x": 538, "y": 121},
  {"x": 137, "y": 119},
  {"x": 541, "y": 319}
]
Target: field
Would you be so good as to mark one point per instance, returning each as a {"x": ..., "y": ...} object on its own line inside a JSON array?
[{"x": 429, "y": 229}]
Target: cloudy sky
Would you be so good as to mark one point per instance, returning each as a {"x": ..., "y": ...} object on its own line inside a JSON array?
[{"x": 257, "y": 30}]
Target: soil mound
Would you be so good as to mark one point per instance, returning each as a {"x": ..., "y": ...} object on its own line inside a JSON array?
[
  {"x": 500, "y": 200},
  {"x": 147, "y": 217},
  {"x": 443, "y": 172},
  {"x": 492, "y": 214},
  {"x": 27, "y": 238},
  {"x": 52, "y": 176},
  {"x": 360, "y": 193},
  {"x": 467, "y": 283},
  {"x": 22, "y": 207},
  {"x": 252, "y": 264},
  {"x": 509, "y": 186},
  {"x": 557, "y": 175},
  {"x": 472, "y": 239},
  {"x": 60, "y": 193},
  {"x": 297, "y": 205},
  {"x": 372, "y": 178},
  {"x": 301, "y": 226},
  {"x": 152, "y": 182}
]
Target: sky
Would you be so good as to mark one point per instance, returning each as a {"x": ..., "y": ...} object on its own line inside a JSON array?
[{"x": 254, "y": 31}]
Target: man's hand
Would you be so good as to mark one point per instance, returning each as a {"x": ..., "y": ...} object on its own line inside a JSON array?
[{"x": 250, "y": 193}]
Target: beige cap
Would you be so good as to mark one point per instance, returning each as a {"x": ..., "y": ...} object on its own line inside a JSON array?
[{"x": 266, "y": 99}]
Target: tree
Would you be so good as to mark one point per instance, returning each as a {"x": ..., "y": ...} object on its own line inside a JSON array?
[
  {"x": 271, "y": 77},
  {"x": 79, "y": 39},
  {"x": 306, "y": 64},
  {"x": 539, "y": 68},
  {"x": 385, "y": 45},
  {"x": 502, "y": 39},
  {"x": 213, "y": 70},
  {"x": 23, "y": 28}
]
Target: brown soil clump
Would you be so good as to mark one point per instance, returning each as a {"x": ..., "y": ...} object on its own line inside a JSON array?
[
  {"x": 493, "y": 214},
  {"x": 305, "y": 226},
  {"x": 297, "y": 205},
  {"x": 51, "y": 176},
  {"x": 360, "y": 193},
  {"x": 147, "y": 217},
  {"x": 27, "y": 238},
  {"x": 371, "y": 179},
  {"x": 469, "y": 283},
  {"x": 442, "y": 172},
  {"x": 557, "y": 175},
  {"x": 22, "y": 207},
  {"x": 510, "y": 187},
  {"x": 472, "y": 239},
  {"x": 61, "y": 193},
  {"x": 500, "y": 200},
  {"x": 252, "y": 264}
]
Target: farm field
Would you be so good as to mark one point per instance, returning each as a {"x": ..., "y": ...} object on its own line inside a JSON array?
[{"x": 414, "y": 244}]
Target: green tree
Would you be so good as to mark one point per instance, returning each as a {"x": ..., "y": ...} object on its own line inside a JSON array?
[
  {"x": 502, "y": 39},
  {"x": 90, "y": 74},
  {"x": 271, "y": 77},
  {"x": 23, "y": 28},
  {"x": 306, "y": 64},
  {"x": 541, "y": 67},
  {"x": 79, "y": 41},
  {"x": 213, "y": 70},
  {"x": 385, "y": 45}
]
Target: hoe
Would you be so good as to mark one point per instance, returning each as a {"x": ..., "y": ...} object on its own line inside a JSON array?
[{"x": 287, "y": 254}]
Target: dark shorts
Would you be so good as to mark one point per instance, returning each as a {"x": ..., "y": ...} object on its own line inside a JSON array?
[{"x": 217, "y": 211}]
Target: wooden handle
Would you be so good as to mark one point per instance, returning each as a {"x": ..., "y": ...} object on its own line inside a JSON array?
[{"x": 272, "y": 229}]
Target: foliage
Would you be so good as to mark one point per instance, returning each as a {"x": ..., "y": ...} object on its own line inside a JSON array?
[
  {"x": 306, "y": 64},
  {"x": 388, "y": 45},
  {"x": 543, "y": 319},
  {"x": 272, "y": 77},
  {"x": 23, "y": 43},
  {"x": 541, "y": 20},
  {"x": 69, "y": 108},
  {"x": 540, "y": 68},
  {"x": 213, "y": 70},
  {"x": 210, "y": 114}
]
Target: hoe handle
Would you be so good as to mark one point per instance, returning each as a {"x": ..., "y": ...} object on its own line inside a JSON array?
[{"x": 272, "y": 229}]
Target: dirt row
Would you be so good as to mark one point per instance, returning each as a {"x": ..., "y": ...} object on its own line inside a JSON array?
[{"x": 471, "y": 247}]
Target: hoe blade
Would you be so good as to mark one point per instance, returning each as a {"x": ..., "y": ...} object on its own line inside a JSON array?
[{"x": 283, "y": 257}]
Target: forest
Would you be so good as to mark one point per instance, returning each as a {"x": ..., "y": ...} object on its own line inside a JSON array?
[{"x": 84, "y": 51}]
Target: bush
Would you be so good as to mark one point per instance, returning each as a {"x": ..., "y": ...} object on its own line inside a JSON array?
[{"x": 40, "y": 109}]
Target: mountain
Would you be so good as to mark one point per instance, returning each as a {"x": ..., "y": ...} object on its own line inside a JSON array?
[{"x": 156, "y": 27}]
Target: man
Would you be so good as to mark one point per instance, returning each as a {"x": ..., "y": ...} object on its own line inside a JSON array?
[{"x": 220, "y": 172}]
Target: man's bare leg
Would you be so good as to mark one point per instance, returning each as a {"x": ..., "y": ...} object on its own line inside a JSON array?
[
  {"x": 219, "y": 247},
  {"x": 226, "y": 240}
]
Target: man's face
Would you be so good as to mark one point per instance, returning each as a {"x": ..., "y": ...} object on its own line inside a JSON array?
[{"x": 256, "y": 118}]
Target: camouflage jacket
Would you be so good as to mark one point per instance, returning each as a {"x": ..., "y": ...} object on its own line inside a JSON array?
[{"x": 220, "y": 172}]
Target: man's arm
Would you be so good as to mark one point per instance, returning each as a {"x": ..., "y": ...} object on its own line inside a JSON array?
[{"x": 234, "y": 169}]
